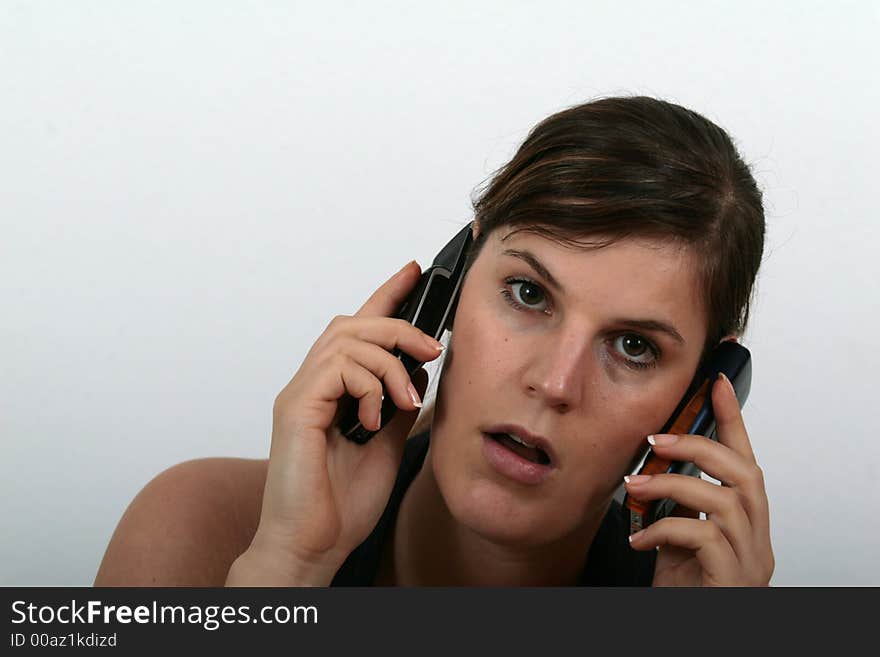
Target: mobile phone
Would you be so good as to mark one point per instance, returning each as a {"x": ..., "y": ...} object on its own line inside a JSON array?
[
  {"x": 693, "y": 415},
  {"x": 430, "y": 307}
]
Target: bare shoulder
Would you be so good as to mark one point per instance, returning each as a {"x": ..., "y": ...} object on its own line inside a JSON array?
[{"x": 187, "y": 525}]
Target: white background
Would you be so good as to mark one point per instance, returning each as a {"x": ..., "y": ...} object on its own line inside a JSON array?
[{"x": 190, "y": 191}]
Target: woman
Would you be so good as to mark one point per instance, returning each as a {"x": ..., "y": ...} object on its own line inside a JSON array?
[{"x": 610, "y": 256}]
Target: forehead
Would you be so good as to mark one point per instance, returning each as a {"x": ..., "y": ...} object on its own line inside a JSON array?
[{"x": 635, "y": 278}]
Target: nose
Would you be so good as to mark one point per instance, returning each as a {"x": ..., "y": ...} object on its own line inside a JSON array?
[{"x": 559, "y": 370}]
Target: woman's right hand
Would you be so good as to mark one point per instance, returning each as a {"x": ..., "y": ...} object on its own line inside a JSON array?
[{"x": 324, "y": 494}]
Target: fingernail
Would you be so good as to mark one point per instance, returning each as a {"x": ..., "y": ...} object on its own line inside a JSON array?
[
  {"x": 414, "y": 395},
  {"x": 400, "y": 271},
  {"x": 439, "y": 346},
  {"x": 635, "y": 536},
  {"x": 637, "y": 479},
  {"x": 729, "y": 384},
  {"x": 663, "y": 439}
]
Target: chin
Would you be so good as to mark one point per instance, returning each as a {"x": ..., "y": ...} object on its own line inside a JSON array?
[{"x": 494, "y": 511}]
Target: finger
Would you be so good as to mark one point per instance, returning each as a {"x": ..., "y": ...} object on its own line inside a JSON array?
[
  {"x": 722, "y": 463},
  {"x": 388, "y": 369},
  {"x": 366, "y": 388},
  {"x": 728, "y": 419},
  {"x": 732, "y": 433},
  {"x": 392, "y": 437},
  {"x": 727, "y": 466},
  {"x": 722, "y": 506},
  {"x": 716, "y": 460},
  {"x": 328, "y": 357},
  {"x": 388, "y": 333},
  {"x": 386, "y": 300},
  {"x": 759, "y": 560},
  {"x": 710, "y": 546},
  {"x": 399, "y": 426},
  {"x": 344, "y": 333}
]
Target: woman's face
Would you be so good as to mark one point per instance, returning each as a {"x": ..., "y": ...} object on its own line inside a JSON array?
[{"x": 564, "y": 362}]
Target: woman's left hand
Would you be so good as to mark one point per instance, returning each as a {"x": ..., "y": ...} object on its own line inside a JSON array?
[{"x": 731, "y": 547}]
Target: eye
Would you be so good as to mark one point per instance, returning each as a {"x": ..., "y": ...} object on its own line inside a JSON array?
[
  {"x": 634, "y": 348},
  {"x": 524, "y": 294}
]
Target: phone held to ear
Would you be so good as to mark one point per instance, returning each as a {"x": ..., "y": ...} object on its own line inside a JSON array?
[
  {"x": 693, "y": 415},
  {"x": 430, "y": 307}
]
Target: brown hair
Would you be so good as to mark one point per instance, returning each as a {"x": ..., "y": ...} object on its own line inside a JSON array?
[{"x": 636, "y": 167}]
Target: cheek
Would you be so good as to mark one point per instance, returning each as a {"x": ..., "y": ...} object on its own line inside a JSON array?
[
  {"x": 640, "y": 415},
  {"x": 615, "y": 435},
  {"x": 627, "y": 425},
  {"x": 480, "y": 351}
]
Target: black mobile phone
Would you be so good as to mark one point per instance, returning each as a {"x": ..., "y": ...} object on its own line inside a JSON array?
[
  {"x": 693, "y": 415},
  {"x": 430, "y": 307}
]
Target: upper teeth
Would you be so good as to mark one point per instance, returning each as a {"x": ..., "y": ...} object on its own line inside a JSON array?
[{"x": 520, "y": 440}]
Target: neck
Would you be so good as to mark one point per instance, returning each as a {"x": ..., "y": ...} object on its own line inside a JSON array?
[{"x": 429, "y": 547}]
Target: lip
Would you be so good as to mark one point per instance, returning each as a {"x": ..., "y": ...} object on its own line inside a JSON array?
[{"x": 529, "y": 437}]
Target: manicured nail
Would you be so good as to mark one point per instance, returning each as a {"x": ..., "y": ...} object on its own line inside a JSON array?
[
  {"x": 379, "y": 421},
  {"x": 637, "y": 479},
  {"x": 436, "y": 344},
  {"x": 663, "y": 439},
  {"x": 414, "y": 395},
  {"x": 635, "y": 536},
  {"x": 729, "y": 384}
]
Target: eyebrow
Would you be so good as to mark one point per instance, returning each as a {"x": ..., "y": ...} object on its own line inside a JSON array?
[
  {"x": 654, "y": 326},
  {"x": 651, "y": 325},
  {"x": 530, "y": 258}
]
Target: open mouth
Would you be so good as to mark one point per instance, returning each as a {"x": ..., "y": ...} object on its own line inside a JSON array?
[{"x": 533, "y": 454}]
